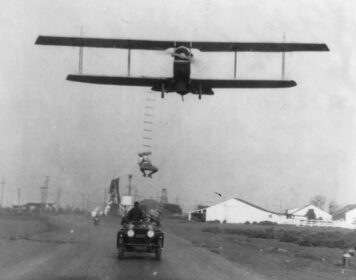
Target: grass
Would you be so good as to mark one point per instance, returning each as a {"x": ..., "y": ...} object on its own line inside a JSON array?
[{"x": 308, "y": 237}]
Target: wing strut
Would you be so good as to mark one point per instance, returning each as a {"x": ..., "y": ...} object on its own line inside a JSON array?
[
  {"x": 283, "y": 57},
  {"x": 235, "y": 65},
  {"x": 81, "y": 54},
  {"x": 128, "y": 61}
]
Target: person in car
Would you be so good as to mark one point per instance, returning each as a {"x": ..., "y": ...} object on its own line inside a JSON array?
[{"x": 135, "y": 214}]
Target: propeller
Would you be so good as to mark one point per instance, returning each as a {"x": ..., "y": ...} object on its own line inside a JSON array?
[{"x": 195, "y": 61}]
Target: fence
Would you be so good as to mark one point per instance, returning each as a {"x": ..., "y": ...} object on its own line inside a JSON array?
[{"x": 320, "y": 223}]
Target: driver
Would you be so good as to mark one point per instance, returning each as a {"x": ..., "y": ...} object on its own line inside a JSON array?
[{"x": 135, "y": 214}]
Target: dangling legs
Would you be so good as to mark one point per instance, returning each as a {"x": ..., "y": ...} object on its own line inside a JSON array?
[
  {"x": 153, "y": 169},
  {"x": 143, "y": 171}
]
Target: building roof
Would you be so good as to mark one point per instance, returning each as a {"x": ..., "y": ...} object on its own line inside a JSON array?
[
  {"x": 340, "y": 213},
  {"x": 258, "y": 207},
  {"x": 243, "y": 201},
  {"x": 306, "y": 206}
]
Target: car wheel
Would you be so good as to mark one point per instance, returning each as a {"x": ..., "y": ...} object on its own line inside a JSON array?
[
  {"x": 158, "y": 251},
  {"x": 121, "y": 252}
]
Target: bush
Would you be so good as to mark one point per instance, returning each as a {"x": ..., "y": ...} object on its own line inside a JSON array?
[
  {"x": 212, "y": 230},
  {"x": 290, "y": 237},
  {"x": 213, "y": 222},
  {"x": 311, "y": 237},
  {"x": 267, "y": 223}
]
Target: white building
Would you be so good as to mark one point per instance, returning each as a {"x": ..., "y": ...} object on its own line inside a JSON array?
[
  {"x": 236, "y": 210},
  {"x": 300, "y": 213},
  {"x": 346, "y": 214}
]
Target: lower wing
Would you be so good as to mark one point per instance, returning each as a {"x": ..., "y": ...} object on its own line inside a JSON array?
[
  {"x": 114, "y": 80},
  {"x": 209, "y": 83}
]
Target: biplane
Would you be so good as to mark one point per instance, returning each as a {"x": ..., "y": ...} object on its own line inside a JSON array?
[{"x": 181, "y": 82}]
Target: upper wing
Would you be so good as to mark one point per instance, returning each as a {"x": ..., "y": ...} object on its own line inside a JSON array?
[
  {"x": 209, "y": 83},
  {"x": 114, "y": 80},
  {"x": 258, "y": 47},
  {"x": 163, "y": 45},
  {"x": 104, "y": 43}
]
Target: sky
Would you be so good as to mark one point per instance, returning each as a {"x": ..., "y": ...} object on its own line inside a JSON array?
[{"x": 276, "y": 148}]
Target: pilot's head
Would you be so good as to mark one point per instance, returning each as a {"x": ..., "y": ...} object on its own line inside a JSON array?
[{"x": 136, "y": 204}]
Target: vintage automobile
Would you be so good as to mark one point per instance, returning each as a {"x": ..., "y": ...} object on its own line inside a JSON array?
[{"x": 140, "y": 236}]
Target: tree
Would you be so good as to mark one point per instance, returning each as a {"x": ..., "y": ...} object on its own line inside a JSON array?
[
  {"x": 333, "y": 207},
  {"x": 318, "y": 201},
  {"x": 310, "y": 214}
]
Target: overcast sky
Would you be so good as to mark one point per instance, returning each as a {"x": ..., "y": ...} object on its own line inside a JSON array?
[{"x": 274, "y": 148}]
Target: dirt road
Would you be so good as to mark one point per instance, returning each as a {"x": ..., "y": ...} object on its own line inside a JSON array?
[{"x": 78, "y": 250}]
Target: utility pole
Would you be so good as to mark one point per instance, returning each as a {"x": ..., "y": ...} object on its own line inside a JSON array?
[
  {"x": 87, "y": 208},
  {"x": 2, "y": 190},
  {"x": 164, "y": 196},
  {"x": 58, "y": 199},
  {"x": 18, "y": 197},
  {"x": 83, "y": 201},
  {"x": 44, "y": 192},
  {"x": 136, "y": 195},
  {"x": 130, "y": 178}
]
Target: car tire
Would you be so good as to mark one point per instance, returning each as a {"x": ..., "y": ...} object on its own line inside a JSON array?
[
  {"x": 158, "y": 251},
  {"x": 121, "y": 253}
]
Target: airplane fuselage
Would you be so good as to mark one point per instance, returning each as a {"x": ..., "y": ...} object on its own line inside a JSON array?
[{"x": 181, "y": 70}]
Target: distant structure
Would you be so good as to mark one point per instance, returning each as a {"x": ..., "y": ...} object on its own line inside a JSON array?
[
  {"x": 236, "y": 210},
  {"x": 301, "y": 213},
  {"x": 44, "y": 192},
  {"x": 35, "y": 207},
  {"x": 346, "y": 214},
  {"x": 112, "y": 205},
  {"x": 164, "y": 196}
]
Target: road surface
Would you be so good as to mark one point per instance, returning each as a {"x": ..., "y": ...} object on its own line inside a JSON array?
[{"x": 78, "y": 250}]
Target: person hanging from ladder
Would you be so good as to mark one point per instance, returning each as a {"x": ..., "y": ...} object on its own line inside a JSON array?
[{"x": 146, "y": 165}]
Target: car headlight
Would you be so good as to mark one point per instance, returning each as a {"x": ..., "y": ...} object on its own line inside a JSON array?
[
  {"x": 150, "y": 233},
  {"x": 130, "y": 233}
]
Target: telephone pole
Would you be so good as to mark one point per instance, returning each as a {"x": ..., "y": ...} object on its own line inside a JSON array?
[
  {"x": 18, "y": 197},
  {"x": 83, "y": 201},
  {"x": 44, "y": 192},
  {"x": 88, "y": 201},
  {"x": 58, "y": 199},
  {"x": 2, "y": 190},
  {"x": 130, "y": 178}
]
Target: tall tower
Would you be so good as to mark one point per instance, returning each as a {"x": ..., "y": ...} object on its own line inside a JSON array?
[
  {"x": 44, "y": 192},
  {"x": 164, "y": 196}
]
